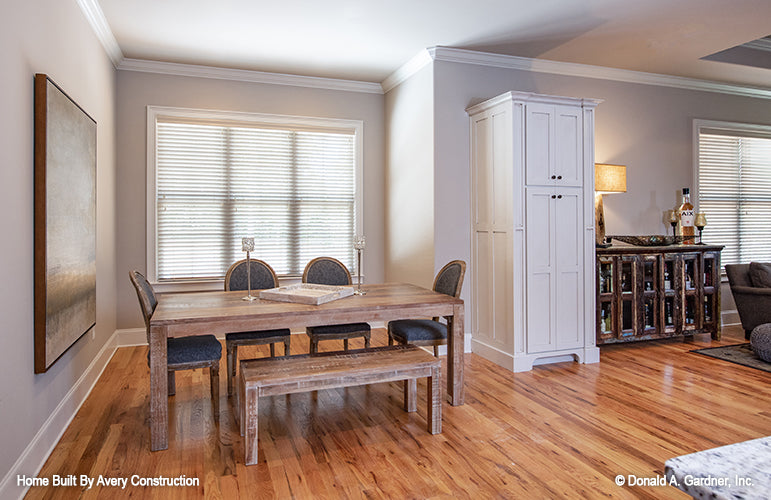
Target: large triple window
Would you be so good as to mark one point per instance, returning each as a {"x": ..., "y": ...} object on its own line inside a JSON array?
[
  {"x": 214, "y": 177},
  {"x": 734, "y": 188}
]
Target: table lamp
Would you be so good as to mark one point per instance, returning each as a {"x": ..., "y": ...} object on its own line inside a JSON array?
[{"x": 607, "y": 179}]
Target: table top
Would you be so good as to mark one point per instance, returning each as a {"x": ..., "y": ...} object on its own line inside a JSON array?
[
  {"x": 382, "y": 302},
  {"x": 741, "y": 470}
]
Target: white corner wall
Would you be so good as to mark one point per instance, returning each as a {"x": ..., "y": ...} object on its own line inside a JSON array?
[
  {"x": 52, "y": 37},
  {"x": 410, "y": 190}
]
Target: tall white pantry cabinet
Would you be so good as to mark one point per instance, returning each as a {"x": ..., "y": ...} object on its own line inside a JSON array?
[{"x": 532, "y": 202}]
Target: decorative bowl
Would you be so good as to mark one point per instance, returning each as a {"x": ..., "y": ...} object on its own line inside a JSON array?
[{"x": 652, "y": 240}]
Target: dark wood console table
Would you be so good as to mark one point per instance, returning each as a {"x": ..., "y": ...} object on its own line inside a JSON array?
[{"x": 646, "y": 293}]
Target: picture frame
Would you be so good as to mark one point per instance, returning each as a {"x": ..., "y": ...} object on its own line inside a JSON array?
[{"x": 65, "y": 222}]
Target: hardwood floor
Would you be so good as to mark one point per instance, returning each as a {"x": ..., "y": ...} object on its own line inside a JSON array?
[{"x": 564, "y": 430}]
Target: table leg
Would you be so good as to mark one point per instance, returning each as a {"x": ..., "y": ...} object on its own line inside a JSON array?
[
  {"x": 159, "y": 404},
  {"x": 455, "y": 344},
  {"x": 410, "y": 395},
  {"x": 434, "y": 401},
  {"x": 249, "y": 424}
]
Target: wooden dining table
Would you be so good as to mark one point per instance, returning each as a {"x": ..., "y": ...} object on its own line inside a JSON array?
[{"x": 181, "y": 314}]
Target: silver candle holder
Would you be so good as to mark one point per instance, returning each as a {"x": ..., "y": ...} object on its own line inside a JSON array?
[
  {"x": 359, "y": 242},
  {"x": 247, "y": 245}
]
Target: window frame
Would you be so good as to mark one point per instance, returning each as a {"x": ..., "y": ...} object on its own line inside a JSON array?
[
  {"x": 236, "y": 117},
  {"x": 738, "y": 127}
]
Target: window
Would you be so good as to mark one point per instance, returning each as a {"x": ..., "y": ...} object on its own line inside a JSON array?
[
  {"x": 734, "y": 188},
  {"x": 214, "y": 177}
]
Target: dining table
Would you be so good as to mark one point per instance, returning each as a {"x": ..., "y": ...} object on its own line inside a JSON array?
[{"x": 196, "y": 313}]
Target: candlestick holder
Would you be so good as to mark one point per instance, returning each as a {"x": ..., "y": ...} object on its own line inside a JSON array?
[
  {"x": 359, "y": 242},
  {"x": 673, "y": 221},
  {"x": 247, "y": 245},
  {"x": 700, "y": 222}
]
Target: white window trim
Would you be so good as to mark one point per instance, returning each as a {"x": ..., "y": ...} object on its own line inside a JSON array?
[
  {"x": 154, "y": 112},
  {"x": 698, "y": 125}
]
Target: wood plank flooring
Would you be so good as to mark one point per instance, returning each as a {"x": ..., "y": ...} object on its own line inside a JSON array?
[{"x": 564, "y": 430}]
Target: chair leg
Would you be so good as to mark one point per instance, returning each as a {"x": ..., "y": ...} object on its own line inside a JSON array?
[
  {"x": 366, "y": 341},
  {"x": 436, "y": 351},
  {"x": 286, "y": 346},
  {"x": 390, "y": 340},
  {"x": 232, "y": 359},
  {"x": 172, "y": 383},
  {"x": 214, "y": 376},
  {"x": 345, "y": 345},
  {"x": 272, "y": 350},
  {"x": 314, "y": 346}
]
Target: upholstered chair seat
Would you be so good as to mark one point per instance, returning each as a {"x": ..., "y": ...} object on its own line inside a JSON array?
[
  {"x": 182, "y": 353},
  {"x": 262, "y": 277},
  {"x": 430, "y": 332},
  {"x": 330, "y": 271}
]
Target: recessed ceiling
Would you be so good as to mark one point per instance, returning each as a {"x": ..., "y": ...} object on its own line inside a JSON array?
[{"x": 367, "y": 41}]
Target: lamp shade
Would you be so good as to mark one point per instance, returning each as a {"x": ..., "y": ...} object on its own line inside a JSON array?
[{"x": 609, "y": 178}]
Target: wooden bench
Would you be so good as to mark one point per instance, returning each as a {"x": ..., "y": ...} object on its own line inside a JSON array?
[{"x": 303, "y": 373}]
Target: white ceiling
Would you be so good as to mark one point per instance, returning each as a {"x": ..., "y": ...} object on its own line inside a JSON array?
[{"x": 367, "y": 41}]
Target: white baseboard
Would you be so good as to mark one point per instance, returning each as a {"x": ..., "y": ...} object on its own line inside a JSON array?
[{"x": 35, "y": 455}]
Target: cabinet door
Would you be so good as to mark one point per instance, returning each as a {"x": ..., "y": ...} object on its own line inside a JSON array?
[
  {"x": 569, "y": 146},
  {"x": 540, "y": 258},
  {"x": 539, "y": 144},
  {"x": 569, "y": 272}
]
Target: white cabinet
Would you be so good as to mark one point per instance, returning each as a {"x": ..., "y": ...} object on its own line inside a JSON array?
[{"x": 532, "y": 266}]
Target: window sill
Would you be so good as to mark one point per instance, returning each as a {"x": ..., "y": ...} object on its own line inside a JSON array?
[{"x": 216, "y": 285}]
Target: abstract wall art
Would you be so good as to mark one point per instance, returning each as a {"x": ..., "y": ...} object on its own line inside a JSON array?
[{"x": 65, "y": 222}]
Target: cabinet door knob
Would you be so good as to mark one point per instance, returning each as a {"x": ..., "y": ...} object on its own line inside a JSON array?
[
  {"x": 553, "y": 196},
  {"x": 559, "y": 196},
  {"x": 553, "y": 176},
  {"x": 559, "y": 177}
]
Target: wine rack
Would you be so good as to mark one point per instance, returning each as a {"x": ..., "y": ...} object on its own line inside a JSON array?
[{"x": 646, "y": 293}]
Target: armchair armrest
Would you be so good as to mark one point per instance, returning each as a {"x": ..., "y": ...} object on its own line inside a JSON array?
[{"x": 751, "y": 290}]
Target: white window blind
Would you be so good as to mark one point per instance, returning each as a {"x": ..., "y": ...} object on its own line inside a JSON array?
[
  {"x": 734, "y": 179},
  {"x": 292, "y": 188}
]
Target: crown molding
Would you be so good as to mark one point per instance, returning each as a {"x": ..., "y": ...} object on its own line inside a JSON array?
[
  {"x": 464, "y": 56},
  {"x": 411, "y": 67},
  {"x": 242, "y": 75},
  {"x": 95, "y": 17}
]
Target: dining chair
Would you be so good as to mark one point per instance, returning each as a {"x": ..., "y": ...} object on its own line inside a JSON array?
[
  {"x": 182, "y": 353},
  {"x": 262, "y": 277},
  {"x": 430, "y": 332},
  {"x": 330, "y": 271}
]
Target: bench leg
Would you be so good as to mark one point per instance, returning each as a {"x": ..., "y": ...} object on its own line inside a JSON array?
[
  {"x": 249, "y": 425},
  {"x": 410, "y": 395},
  {"x": 434, "y": 402}
]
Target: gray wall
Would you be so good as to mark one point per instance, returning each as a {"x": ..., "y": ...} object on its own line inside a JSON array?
[
  {"x": 137, "y": 90},
  {"x": 52, "y": 37},
  {"x": 647, "y": 128}
]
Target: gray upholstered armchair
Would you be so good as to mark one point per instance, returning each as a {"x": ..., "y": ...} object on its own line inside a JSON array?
[{"x": 751, "y": 288}]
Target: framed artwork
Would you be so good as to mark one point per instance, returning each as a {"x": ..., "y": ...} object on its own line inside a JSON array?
[{"x": 65, "y": 222}]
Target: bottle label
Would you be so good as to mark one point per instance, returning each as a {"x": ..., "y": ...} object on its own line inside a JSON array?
[{"x": 686, "y": 218}]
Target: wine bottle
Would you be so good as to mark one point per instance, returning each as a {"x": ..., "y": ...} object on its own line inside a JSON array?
[
  {"x": 667, "y": 280},
  {"x": 686, "y": 216}
]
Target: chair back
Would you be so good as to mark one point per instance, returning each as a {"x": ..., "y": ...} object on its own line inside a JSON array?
[
  {"x": 449, "y": 279},
  {"x": 326, "y": 271},
  {"x": 261, "y": 274},
  {"x": 738, "y": 274},
  {"x": 146, "y": 296}
]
